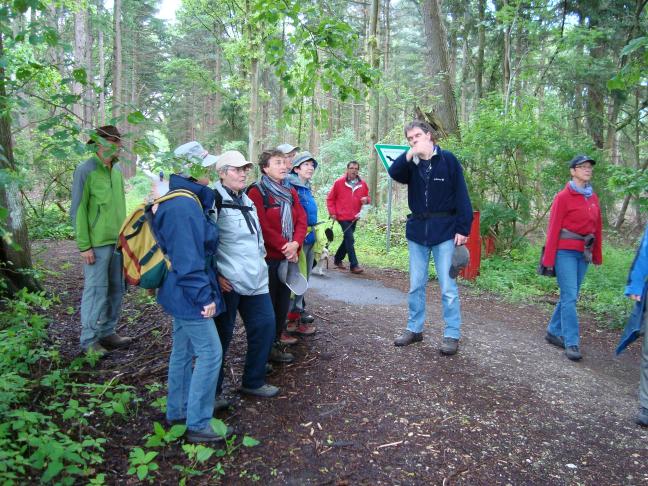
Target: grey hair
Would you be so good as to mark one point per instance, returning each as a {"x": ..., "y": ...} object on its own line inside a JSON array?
[{"x": 425, "y": 126}]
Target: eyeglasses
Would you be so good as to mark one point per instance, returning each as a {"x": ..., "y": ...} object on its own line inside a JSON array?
[
  {"x": 584, "y": 167},
  {"x": 241, "y": 170}
]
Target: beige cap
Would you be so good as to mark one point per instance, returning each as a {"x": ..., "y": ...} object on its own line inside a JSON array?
[{"x": 231, "y": 158}]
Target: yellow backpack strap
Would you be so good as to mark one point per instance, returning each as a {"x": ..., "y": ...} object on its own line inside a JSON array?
[{"x": 175, "y": 193}]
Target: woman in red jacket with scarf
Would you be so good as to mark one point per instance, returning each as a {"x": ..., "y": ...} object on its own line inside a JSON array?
[
  {"x": 573, "y": 242},
  {"x": 283, "y": 224}
]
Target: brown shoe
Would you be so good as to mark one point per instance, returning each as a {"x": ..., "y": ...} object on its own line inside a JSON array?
[
  {"x": 357, "y": 270},
  {"x": 96, "y": 348},
  {"x": 115, "y": 341},
  {"x": 340, "y": 265},
  {"x": 306, "y": 329},
  {"x": 286, "y": 338}
]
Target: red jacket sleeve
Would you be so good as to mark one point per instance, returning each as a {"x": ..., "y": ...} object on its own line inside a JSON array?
[
  {"x": 597, "y": 251},
  {"x": 553, "y": 230},
  {"x": 299, "y": 216},
  {"x": 331, "y": 200}
]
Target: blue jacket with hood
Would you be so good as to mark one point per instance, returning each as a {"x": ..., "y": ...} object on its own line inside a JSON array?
[
  {"x": 189, "y": 236},
  {"x": 308, "y": 202},
  {"x": 636, "y": 285},
  {"x": 433, "y": 186}
]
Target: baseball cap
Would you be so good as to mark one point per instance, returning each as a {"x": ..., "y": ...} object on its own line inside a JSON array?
[
  {"x": 286, "y": 148},
  {"x": 107, "y": 131},
  {"x": 231, "y": 158},
  {"x": 302, "y": 157},
  {"x": 580, "y": 159},
  {"x": 288, "y": 273},
  {"x": 460, "y": 260},
  {"x": 196, "y": 153}
]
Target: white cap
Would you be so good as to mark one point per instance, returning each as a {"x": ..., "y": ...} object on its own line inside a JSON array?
[
  {"x": 196, "y": 153},
  {"x": 232, "y": 158},
  {"x": 286, "y": 148}
]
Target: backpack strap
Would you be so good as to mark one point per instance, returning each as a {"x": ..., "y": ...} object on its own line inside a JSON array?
[
  {"x": 264, "y": 195},
  {"x": 245, "y": 210}
]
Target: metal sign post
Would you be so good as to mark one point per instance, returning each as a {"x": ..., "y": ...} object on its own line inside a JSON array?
[{"x": 387, "y": 154}]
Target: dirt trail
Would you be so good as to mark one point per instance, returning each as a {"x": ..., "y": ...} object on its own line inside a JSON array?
[{"x": 508, "y": 409}]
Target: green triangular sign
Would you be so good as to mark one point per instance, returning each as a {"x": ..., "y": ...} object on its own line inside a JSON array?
[{"x": 389, "y": 153}]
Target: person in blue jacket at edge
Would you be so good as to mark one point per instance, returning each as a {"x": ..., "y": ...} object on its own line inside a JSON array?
[
  {"x": 441, "y": 219},
  {"x": 190, "y": 293},
  {"x": 634, "y": 290}
]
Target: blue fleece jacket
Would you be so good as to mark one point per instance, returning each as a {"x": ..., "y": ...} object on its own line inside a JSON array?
[
  {"x": 189, "y": 238},
  {"x": 435, "y": 185},
  {"x": 308, "y": 202}
]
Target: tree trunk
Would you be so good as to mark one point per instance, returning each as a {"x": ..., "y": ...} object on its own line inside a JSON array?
[
  {"x": 373, "y": 101},
  {"x": 386, "y": 48},
  {"x": 15, "y": 259},
  {"x": 481, "y": 46},
  {"x": 437, "y": 60},
  {"x": 102, "y": 79},
  {"x": 253, "y": 118},
  {"x": 117, "y": 63},
  {"x": 82, "y": 52},
  {"x": 506, "y": 58}
]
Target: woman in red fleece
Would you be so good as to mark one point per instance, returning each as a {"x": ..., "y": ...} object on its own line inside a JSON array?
[
  {"x": 283, "y": 224},
  {"x": 573, "y": 242}
]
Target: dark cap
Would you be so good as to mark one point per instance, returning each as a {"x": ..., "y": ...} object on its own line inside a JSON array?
[
  {"x": 460, "y": 260},
  {"x": 107, "y": 131},
  {"x": 580, "y": 159}
]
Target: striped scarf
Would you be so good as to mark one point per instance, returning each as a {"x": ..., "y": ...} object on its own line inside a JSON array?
[{"x": 284, "y": 196}]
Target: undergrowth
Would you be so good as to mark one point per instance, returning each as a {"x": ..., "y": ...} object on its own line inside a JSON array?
[{"x": 54, "y": 424}]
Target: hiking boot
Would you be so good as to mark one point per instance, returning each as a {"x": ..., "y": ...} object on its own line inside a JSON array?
[
  {"x": 286, "y": 338},
  {"x": 340, "y": 265},
  {"x": 97, "y": 348},
  {"x": 408, "y": 337},
  {"x": 573, "y": 353},
  {"x": 307, "y": 319},
  {"x": 291, "y": 326},
  {"x": 115, "y": 341},
  {"x": 557, "y": 341},
  {"x": 357, "y": 270},
  {"x": 278, "y": 356},
  {"x": 221, "y": 404},
  {"x": 206, "y": 435},
  {"x": 642, "y": 417},
  {"x": 449, "y": 346},
  {"x": 306, "y": 329},
  {"x": 265, "y": 391}
]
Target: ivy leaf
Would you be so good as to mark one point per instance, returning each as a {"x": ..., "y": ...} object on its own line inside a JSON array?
[
  {"x": 80, "y": 75},
  {"x": 250, "y": 441},
  {"x": 219, "y": 427},
  {"x": 52, "y": 470},
  {"x": 634, "y": 44},
  {"x": 135, "y": 117},
  {"x": 204, "y": 453}
]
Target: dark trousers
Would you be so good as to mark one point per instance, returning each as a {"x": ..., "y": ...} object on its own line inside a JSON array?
[
  {"x": 258, "y": 319},
  {"x": 280, "y": 295},
  {"x": 346, "y": 247}
]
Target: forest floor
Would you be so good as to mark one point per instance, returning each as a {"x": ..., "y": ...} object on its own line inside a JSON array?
[{"x": 354, "y": 409}]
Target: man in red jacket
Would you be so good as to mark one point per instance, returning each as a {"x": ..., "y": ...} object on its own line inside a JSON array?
[{"x": 344, "y": 202}]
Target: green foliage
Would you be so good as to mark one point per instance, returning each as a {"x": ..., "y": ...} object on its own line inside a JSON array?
[
  {"x": 52, "y": 223},
  {"x": 514, "y": 164},
  {"x": 141, "y": 463}
]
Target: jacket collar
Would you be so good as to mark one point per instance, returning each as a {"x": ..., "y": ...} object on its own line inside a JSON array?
[{"x": 204, "y": 193}]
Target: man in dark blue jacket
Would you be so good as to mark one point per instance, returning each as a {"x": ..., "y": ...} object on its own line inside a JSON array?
[
  {"x": 190, "y": 293},
  {"x": 635, "y": 289},
  {"x": 440, "y": 220}
]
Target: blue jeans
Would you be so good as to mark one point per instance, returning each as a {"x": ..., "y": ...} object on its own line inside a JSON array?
[
  {"x": 347, "y": 246},
  {"x": 419, "y": 260},
  {"x": 192, "y": 393},
  {"x": 571, "y": 268},
  {"x": 259, "y": 321},
  {"x": 103, "y": 288}
]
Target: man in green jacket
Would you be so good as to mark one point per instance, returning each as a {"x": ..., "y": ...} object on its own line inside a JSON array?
[{"x": 98, "y": 210}]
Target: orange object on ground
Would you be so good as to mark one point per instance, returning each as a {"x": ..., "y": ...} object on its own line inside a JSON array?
[{"x": 474, "y": 248}]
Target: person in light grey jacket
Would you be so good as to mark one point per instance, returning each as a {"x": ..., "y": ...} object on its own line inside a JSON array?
[{"x": 243, "y": 274}]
